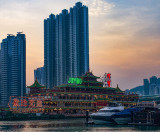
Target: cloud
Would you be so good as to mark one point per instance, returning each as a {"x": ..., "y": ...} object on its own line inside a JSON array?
[{"x": 98, "y": 7}]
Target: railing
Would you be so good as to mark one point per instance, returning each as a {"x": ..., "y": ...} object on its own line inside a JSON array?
[
  {"x": 74, "y": 115},
  {"x": 78, "y": 100},
  {"x": 69, "y": 107},
  {"x": 89, "y": 92}
]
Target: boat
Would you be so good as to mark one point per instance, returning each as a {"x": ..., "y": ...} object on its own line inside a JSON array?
[
  {"x": 103, "y": 116},
  {"x": 128, "y": 115},
  {"x": 147, "y": 116},
  {"x": 125, "y": 116}
]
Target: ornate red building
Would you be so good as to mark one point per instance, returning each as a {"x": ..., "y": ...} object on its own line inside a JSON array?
[{"x": 79, "y": 95}]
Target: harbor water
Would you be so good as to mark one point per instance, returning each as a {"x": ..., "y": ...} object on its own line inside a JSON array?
[{"x": 65, "y": 125}]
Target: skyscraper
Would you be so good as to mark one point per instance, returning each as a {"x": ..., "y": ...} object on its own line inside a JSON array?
[
  {"x": 39, "y": 75},
  {"x": 50, "y": 50},
  {"x": 0, "y": 74},
  {"x": 153, "y": 89},
  {"x": 13, "y": 54},
  {"x": 146, "y": 87},
  {"x": 153, "y": 80},
  {"x": 66, "y": 45}
]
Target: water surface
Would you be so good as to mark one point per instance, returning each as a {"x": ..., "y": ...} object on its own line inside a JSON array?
[{"x": 65, "y": 125}]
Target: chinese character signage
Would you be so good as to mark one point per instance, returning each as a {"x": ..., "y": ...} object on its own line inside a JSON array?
[
  {"x": 106, "y": 79},
  {"x": 75, "y": 80},
  {"x": 25, "y": 102}
]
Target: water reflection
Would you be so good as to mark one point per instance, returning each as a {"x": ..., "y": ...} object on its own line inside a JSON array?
[{"x": 68, "y": 125}]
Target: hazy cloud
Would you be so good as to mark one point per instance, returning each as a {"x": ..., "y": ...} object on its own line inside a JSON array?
[
  {"x": 98, "y": 7},
  {"x": 126, "y": 42}
]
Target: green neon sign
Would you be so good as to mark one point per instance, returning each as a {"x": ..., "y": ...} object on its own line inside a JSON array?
[{"x": 75, "y": 80}]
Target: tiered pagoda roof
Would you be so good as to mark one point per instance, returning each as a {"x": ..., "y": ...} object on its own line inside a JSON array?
[
  {"x": 82, "y": 86},
  {"x": 118, "y": 89},
  {"x": 36, "y": 84},
  {"x": 89, "y": 74}
]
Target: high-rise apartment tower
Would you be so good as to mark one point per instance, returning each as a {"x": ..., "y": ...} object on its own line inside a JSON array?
[
  {"x": 13, "y": 65},
  {"x": 66, "y": 45}
]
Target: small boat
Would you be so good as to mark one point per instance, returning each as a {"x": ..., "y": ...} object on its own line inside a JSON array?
[
  {"x": 125, "y": 116},
  {"x": 103, "y": 116}
]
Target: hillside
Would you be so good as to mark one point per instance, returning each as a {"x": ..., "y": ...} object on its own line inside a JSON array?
[{"x": 138, "y": 89}]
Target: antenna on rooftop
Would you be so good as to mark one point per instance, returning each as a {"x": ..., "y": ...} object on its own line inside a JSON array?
[
  {"x": 19, "y": 32},
  {"x": 10, "y": 34}
]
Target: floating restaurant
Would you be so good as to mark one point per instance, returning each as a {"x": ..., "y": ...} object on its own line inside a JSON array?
[{"x": 75, "y": 98}]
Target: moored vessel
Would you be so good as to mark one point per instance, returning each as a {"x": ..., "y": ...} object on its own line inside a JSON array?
[
  {"x": 125, "y": 116},
  {"x": 104, "y": 115}
]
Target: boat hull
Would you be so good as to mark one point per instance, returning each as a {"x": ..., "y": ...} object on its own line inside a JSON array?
[
  {"x": 102, "y": 120},
  {"x": 104, "y": 115},
  {"x": 122, "y": 121}
]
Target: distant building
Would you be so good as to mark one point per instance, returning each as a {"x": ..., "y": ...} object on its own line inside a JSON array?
[
  {"x": 152, "y": 87},
  {"x": 13, "y": 65},
  {"x": 158, "y": 85},
  {"x": 153, "y": 80},
  {"x": 39, "y": 75},
  {"x": 0, "y": 76},
  {"x": 146, "y": 87},
  {"x": 66, "y": 45}
]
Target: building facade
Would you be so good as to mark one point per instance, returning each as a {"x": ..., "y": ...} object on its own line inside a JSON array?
[
  {"x": 13, "y": 65},
  {"x": 66, "y": 45},
  {"x": 39, "y": 75}
]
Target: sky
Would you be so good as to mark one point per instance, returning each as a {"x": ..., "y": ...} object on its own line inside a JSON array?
[{"x": 124, "y": 35}]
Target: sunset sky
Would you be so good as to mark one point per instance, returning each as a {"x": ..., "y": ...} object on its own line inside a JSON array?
[{"x": 124, "y": 35}]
